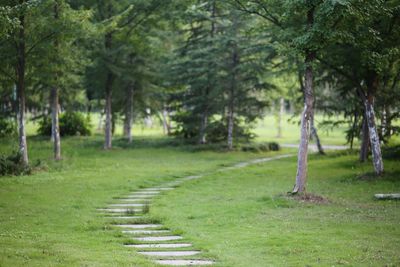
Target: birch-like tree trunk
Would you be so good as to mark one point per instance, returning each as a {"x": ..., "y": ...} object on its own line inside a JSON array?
[
  {"x": 20, "y": 72},
  {"x": 55, "y": 124},
  {"x": 373, "y": 135},
  {"x": 308, "y": 112}
]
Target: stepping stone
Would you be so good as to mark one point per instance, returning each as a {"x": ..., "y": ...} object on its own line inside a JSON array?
[
  {"x": 139, "y": 226},
  {"x": 169, "y": 253},
  {"x": 184, "y": 262},
  {"x": 134, "y": 200},
  {"x": 176, "y": 245},
  {"x": 145, "y": 232},
  {"x": 124, "y": 217},
  {"x": 146, "y": 192},
  {"x": 158, "y": 238},
  {"x": 193, "y": 177},
  {"x": 120, "y": 210},
  {"x": 127, "y": 205},
  {"x": 159, "y": 188},
  {"x": 136, "y": 196}
]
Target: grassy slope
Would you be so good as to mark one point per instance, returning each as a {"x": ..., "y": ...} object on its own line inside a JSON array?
[{"x": 242, "y": 219}]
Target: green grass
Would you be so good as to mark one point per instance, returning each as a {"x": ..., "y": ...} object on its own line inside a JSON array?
[
  {"x": 239, "y": 217},
  {"x": 50, "y": 218},
  {"x": 244, "y": 218}
]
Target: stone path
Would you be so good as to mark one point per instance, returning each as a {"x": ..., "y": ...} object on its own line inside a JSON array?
[{"x": 154, "y": 240}]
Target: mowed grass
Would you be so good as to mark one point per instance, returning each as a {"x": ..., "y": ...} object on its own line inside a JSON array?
[
  {"x": 239, "y": 217},
  {"x": 244, "y": 218},
  {"x": 50, "y": 218}
]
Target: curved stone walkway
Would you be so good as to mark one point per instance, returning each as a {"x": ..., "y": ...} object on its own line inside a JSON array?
[{"x": 154, "y": 240}]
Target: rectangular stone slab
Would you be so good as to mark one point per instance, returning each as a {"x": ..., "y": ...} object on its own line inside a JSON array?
[
  {"x": 144, "y": 200},
  {"x": 145, "y": 232},
  {"x": 138, "y": 196},
  {"x": 158, "y": 238},
  {"x": 120, "y": 210},
  {"x": 146, "y": 192},
  {"x": 169, "y": 253},
  {"x": 138, "y": 226},
  {"x": 158, "y": 188},
  {"x": 184, "y": 262},
  {"x": 174, "y": 245},
  {"x": 124, "y": 217},
  {"x": 127, "y": 205}
]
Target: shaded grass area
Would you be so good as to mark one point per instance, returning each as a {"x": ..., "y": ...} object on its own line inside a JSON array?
[
  {"x": 244, "y": 217},
  {"x": 50, "y": 218}
]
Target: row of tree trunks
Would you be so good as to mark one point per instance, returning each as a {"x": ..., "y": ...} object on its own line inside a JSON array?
[
  {"x": 20, "y": 72},
  {"x": 166, "y": 121}
]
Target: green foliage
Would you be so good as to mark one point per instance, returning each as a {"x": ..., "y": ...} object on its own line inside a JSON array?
[
  {"x": 71, "y": 123},
  {"x": 7, "y": 127},
  {"x": 262, "y": 147},
  {"x": 13, "y": 165}
]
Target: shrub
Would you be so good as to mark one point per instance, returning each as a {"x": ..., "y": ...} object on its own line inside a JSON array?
[
  {"x": 71, "y": 123},
  {"x": 13, "y": 165},
  {"x": 7, "y": 127},
  {"x": 263, "y": 147}
]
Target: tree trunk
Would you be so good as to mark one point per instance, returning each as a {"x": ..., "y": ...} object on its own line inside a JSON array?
[
  {"x": 165, "y": 121},
  {"x": 203, "y": 127},
  {"x": 364, "y": 149},
  {"x": 55, "y": 124},
  {"x": 108, "y": 123},
  {"x": 373, "y": 135},
  {"x": 108, "y": 98},
  {"x": 129, "y": 115},
  {"x": 314, "y": 135},
  {"x": 20, "y": 71},
  {"x": 55, "y": 128},
  {"x": 230, "y": 125},
  {"x": 280, "y": 116}
]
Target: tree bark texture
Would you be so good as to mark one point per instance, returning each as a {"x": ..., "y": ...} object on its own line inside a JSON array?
[
  {"x": 301, "y": 175},
  {"x": 55, "y": 123},
  {"x": 20, "y": 72},
  {"x": 129, "y": 114},
  {"x": 314, "y": 135},
  {"x": 280, "y": 116},
  {"x": 55, "y": 127},
  {"x": 364, "y": 149},
  {"x": 108, "y": 98}
]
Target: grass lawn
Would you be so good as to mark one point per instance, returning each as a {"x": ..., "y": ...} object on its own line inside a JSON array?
[
  {"x": 243, "y": 218},
  {"x": 239, "y": 217}
]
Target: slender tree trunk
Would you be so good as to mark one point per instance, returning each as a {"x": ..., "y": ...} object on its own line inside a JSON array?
[
  {"x": 280, "y": 116},
  {"x": 314, "y": 135},
  {"x": 203, "y": 126},
  {"x": 166, "y": 122},
  {"x": 20, "y": 72},
  {"x": 129, "y": 114},
  {"x": 364, "y": 149},
  {"x": 108, "y": 98},
  {"x": 373, "y": 134},
  {"x": 55, "y": 133},
  {"x": 108, "y": 112},
  {"x": 230, "y": 125},
  {"x": 55, "y": 124}
]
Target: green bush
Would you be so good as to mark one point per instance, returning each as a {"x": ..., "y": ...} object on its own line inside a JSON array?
[
  {"x": 71, "y": 123},
  {"x": 13, "y": 165},
  {"x": 7, "y": 127}
]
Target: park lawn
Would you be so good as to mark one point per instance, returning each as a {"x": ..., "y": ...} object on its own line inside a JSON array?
[
  {"x": 244, "y": 218},
  {"x": 50, "y": 218}
]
